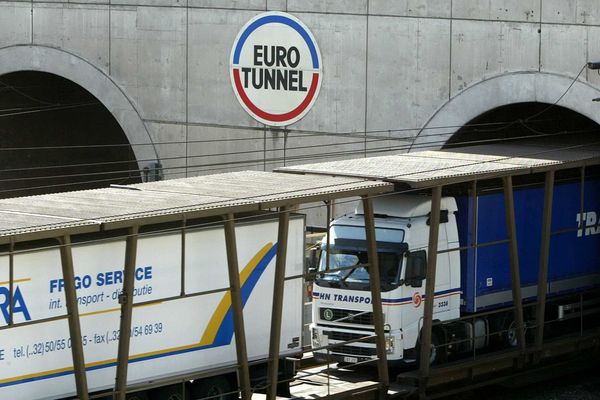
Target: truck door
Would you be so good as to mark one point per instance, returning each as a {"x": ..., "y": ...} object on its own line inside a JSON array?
[{"x": 413, "y": 290}]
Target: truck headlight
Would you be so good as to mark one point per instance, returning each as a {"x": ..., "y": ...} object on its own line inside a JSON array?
[
  {"x": 389, "y": 344},
  {"x": 316, "y": 340}
]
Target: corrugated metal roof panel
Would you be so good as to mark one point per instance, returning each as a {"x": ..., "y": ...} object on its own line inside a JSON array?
[
  {"x": 157, "y": 201},
  {"x": 426, "y": 168},
  {"x": 262, "y": 187},
  {"x": 14, "y": 223}
]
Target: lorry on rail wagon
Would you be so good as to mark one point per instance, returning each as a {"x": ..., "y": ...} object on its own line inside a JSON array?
[
  {"x": 172, "y": 335},
  {"x": 475, "y": 281}
]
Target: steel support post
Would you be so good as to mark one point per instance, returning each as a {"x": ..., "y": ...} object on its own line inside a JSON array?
[
  {"x": 544, "y": 255},
  {"x": 11, "y": 282},
  {"x": 126, "y": 301},
  {"x": 237, "y": 307},
  {"x": 328, "y": 236},
  {"x": 183, "y": 234},
  {"x": 66, "y": 258},
  {"x": 474, "y": 226},
  {"x": 276, "y": 314},
  {"x": 513, "y": 252},
  {"x": 582, "y": 196},
  {"x": 375, "y": 280},
  {"x": 432, "y": 249}
]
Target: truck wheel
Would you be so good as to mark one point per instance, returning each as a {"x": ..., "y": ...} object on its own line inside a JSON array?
[
  {"x": 511, "y": 335},
  {"x": 437, "y": 353},
  {"x": 216, "y": 388},
  {"x": 503, "y": 331}
]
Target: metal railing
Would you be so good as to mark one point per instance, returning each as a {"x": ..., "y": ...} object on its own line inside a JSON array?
[{"x": 581, "y": 312}]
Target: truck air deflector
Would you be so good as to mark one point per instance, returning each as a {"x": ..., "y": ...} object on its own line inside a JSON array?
[{"x": 362, "y": 244}]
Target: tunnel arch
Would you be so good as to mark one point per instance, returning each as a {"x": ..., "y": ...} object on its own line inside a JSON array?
[
  {"x": 93, "y": 80},
  {"x": 55, "y": 136},
  {"x": 526, "y": 121},
  {"x": 505, "y": 90}
]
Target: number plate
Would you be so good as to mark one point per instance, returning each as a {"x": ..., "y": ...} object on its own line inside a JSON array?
[{"x": 352, "y": 360}]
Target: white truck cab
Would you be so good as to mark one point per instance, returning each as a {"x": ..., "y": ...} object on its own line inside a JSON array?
[{"x": 342, "y": 308}]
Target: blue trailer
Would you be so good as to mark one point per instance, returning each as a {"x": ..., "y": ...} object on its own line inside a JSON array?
[{"x": 574, "y": 245}]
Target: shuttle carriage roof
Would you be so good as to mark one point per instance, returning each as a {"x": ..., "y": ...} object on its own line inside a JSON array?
[{"x": 53, "y": 215}]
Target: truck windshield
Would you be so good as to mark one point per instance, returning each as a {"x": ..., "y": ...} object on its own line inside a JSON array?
[{"x": 347, "y": 268}]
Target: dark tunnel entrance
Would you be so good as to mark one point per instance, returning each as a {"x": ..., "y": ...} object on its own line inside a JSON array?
[
  {"x": 529, "y": 130},
  {"x": 527, "y": 121},
  {"x": 55, "y": 136}
]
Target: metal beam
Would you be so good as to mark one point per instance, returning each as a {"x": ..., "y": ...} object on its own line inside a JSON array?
[
  {"x": 328, "y": 235},
  {"x": 544, "y": 255},
  {"x": 11, "y": 281},
  {"x": 513, "y": 252},
  {"x": 237, "y": 308},
  {"x": 432, "y": 249},
  {"x": 474, "y": 225},
  {"x": 582, "y": 197},
  {"x": 183, "y": 234},
  {"x": 276, "y": 314},
  {"x": 126, "y": 301},
  {"x": 375, "y": 284},
  {"x": 66, "y": 258}
]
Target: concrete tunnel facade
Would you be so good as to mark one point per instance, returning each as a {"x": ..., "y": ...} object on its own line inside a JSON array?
[{"x": 397, "y": 75}]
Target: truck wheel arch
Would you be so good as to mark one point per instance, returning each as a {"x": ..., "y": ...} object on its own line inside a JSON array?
[{"x": 438, "y": 337}]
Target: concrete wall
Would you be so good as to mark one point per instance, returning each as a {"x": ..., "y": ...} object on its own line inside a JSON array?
[{"x": 391, "y": 68}]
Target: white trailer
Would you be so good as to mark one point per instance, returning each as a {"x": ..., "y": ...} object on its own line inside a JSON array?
[{"x": 183, "y": 336}]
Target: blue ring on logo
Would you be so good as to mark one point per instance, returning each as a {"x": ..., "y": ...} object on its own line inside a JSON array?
[{"x": 276, "y": 19}]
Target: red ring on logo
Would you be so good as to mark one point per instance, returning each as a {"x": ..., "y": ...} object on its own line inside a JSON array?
[{"x": 275, "y": 117}]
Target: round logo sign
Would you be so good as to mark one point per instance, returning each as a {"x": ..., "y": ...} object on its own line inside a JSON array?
[
  {"x": 417, "y": 299},
  {"x": 328, "y": 314},
  {"x": 276, "y": 68}
]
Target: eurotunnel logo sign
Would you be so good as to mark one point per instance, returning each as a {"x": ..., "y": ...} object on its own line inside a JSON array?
[{"x": 276, "y": 68}]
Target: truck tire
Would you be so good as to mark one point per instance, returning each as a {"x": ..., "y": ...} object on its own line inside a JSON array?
[
  {"x": 511, "y": 335},
  {"x": 437, "y": 353},
  {"x": 215, "y": 388},
  {"x": 504, "y": 331}
]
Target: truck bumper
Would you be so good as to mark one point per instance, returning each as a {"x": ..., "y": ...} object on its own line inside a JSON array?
[{"x": 329, "y": 344}]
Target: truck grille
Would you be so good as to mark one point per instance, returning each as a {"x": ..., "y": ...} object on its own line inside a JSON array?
[
  {"x": 354, "y": 350},
  {"x": 349, "y": 316},
  {"x": 344, "y": 336}
]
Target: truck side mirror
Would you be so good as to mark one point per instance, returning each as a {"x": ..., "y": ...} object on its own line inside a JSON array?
[
  {"x": 310, "y": 269},
  {"x": 311, "y": 262},
  {"x": 416, "y": 267}
]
